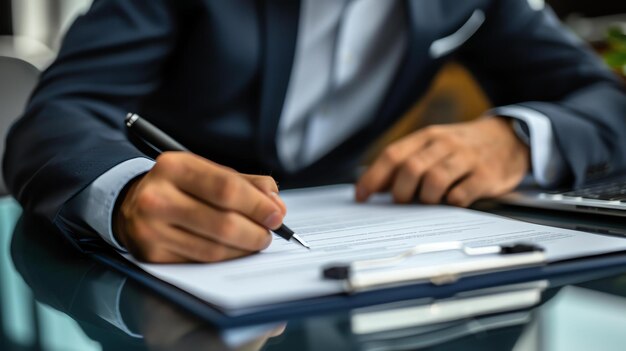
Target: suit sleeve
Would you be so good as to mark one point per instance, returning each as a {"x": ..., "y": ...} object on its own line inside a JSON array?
[
  {"x": 72, "y": 130},
  {"x": 525, "y": 58}
]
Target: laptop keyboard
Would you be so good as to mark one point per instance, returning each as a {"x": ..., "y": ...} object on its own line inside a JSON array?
[{"x": 614, "y": 191}]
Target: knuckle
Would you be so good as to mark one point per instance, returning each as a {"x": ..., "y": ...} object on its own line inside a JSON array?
[
  {"x": 226, "y": 188},
  {"x": 169, "y": 162},
  {"x": 414, "y": 167},
  {"x": 449, "y": 140},
  {"x": 227, "y": 226},
  {"x": 392, "y": 154},
  {"x": 433, "y": 130},
  {"x": 269, "y": 183},
  {"x": 166, "y": 157},
  {"x": 149, "y": 202}
]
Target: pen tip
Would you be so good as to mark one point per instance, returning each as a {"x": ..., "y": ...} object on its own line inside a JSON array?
[{"x": 300, "y": 241}]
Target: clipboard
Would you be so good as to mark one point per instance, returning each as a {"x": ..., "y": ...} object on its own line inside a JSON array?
[
  {"x": 358, "y": 276},
  {"x": 616, "y": 262}
]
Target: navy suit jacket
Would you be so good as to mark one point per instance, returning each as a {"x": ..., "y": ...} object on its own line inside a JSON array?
[{"x": 214, "y": 74}]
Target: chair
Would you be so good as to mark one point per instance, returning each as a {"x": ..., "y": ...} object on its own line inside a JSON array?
[{"x": 17, "y": 80}]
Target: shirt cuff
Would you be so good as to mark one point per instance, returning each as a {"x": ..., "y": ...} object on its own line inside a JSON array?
[
  {"x": 548, "y": 165},
  {"x": 95, "y": 204}
]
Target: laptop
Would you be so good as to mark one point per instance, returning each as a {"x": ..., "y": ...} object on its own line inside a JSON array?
[{"x": 607, "y": 197}]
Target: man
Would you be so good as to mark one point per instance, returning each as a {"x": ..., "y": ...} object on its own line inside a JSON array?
[{"x": 297, "y": 89}]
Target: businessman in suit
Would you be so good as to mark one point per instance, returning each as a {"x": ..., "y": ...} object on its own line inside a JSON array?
[{"x": 297, "y": 89}]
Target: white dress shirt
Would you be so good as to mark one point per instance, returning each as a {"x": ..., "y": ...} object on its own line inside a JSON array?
[{"x": 347, "y": 53}]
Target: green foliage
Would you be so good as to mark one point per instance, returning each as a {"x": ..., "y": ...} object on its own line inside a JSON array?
[{"x": 616, "y": 55}]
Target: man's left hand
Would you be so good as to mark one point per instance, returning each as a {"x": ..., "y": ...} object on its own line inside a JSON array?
[{"x": 457, "y": 164}]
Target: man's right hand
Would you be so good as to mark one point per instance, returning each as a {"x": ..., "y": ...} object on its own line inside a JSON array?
[{"x": 189, "y": 209}]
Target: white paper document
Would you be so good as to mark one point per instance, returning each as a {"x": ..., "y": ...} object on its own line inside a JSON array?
[{"x": 340, "y": 231}]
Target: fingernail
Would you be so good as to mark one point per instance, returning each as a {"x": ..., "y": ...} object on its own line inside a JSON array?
[
  {"x": 361, "y": 193},
  {"x": 273, "y": 221}
]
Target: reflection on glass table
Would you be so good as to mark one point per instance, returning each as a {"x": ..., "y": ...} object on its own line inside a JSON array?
[{"x": 55, "y": 299}]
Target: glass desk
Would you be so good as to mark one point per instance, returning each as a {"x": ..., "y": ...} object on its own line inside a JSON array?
[{"x": 52, "y": 298}]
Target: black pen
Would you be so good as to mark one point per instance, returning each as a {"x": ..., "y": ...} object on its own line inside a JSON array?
[{"x": 149, "y": 133}]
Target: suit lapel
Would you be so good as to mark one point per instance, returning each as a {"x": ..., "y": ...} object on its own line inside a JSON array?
[
  {"x": 281, "y": 18},
  {"x": 410, "y": 80}
]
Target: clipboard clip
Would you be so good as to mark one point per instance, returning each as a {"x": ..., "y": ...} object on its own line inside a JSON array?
[{"x": 367, "y": 274}]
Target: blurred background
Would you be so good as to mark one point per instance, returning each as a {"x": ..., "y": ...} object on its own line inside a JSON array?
[{"x": 33, "y": 29}]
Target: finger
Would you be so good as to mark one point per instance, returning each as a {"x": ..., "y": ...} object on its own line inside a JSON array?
[
  {"x": 411, "y": 173},
  {"x": 279, "y": 202},
  {"x": 148, "y": 242},
  {"x": 264, "y": 183},
  {"x": 380, "y": 173},
  {"x": 468, "y": 191},
  {"x": 197, "y": 249},
  {"x": 225, "y": 227},
  {"x": 219, "y": 187},
  {"x": 442, "y": 176},
  {"x": 154, "y": 253},
  {"x": 165, "y": 256},
  {"x": 158, "y": 241},
  {"x": 268, "y": 186}
]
